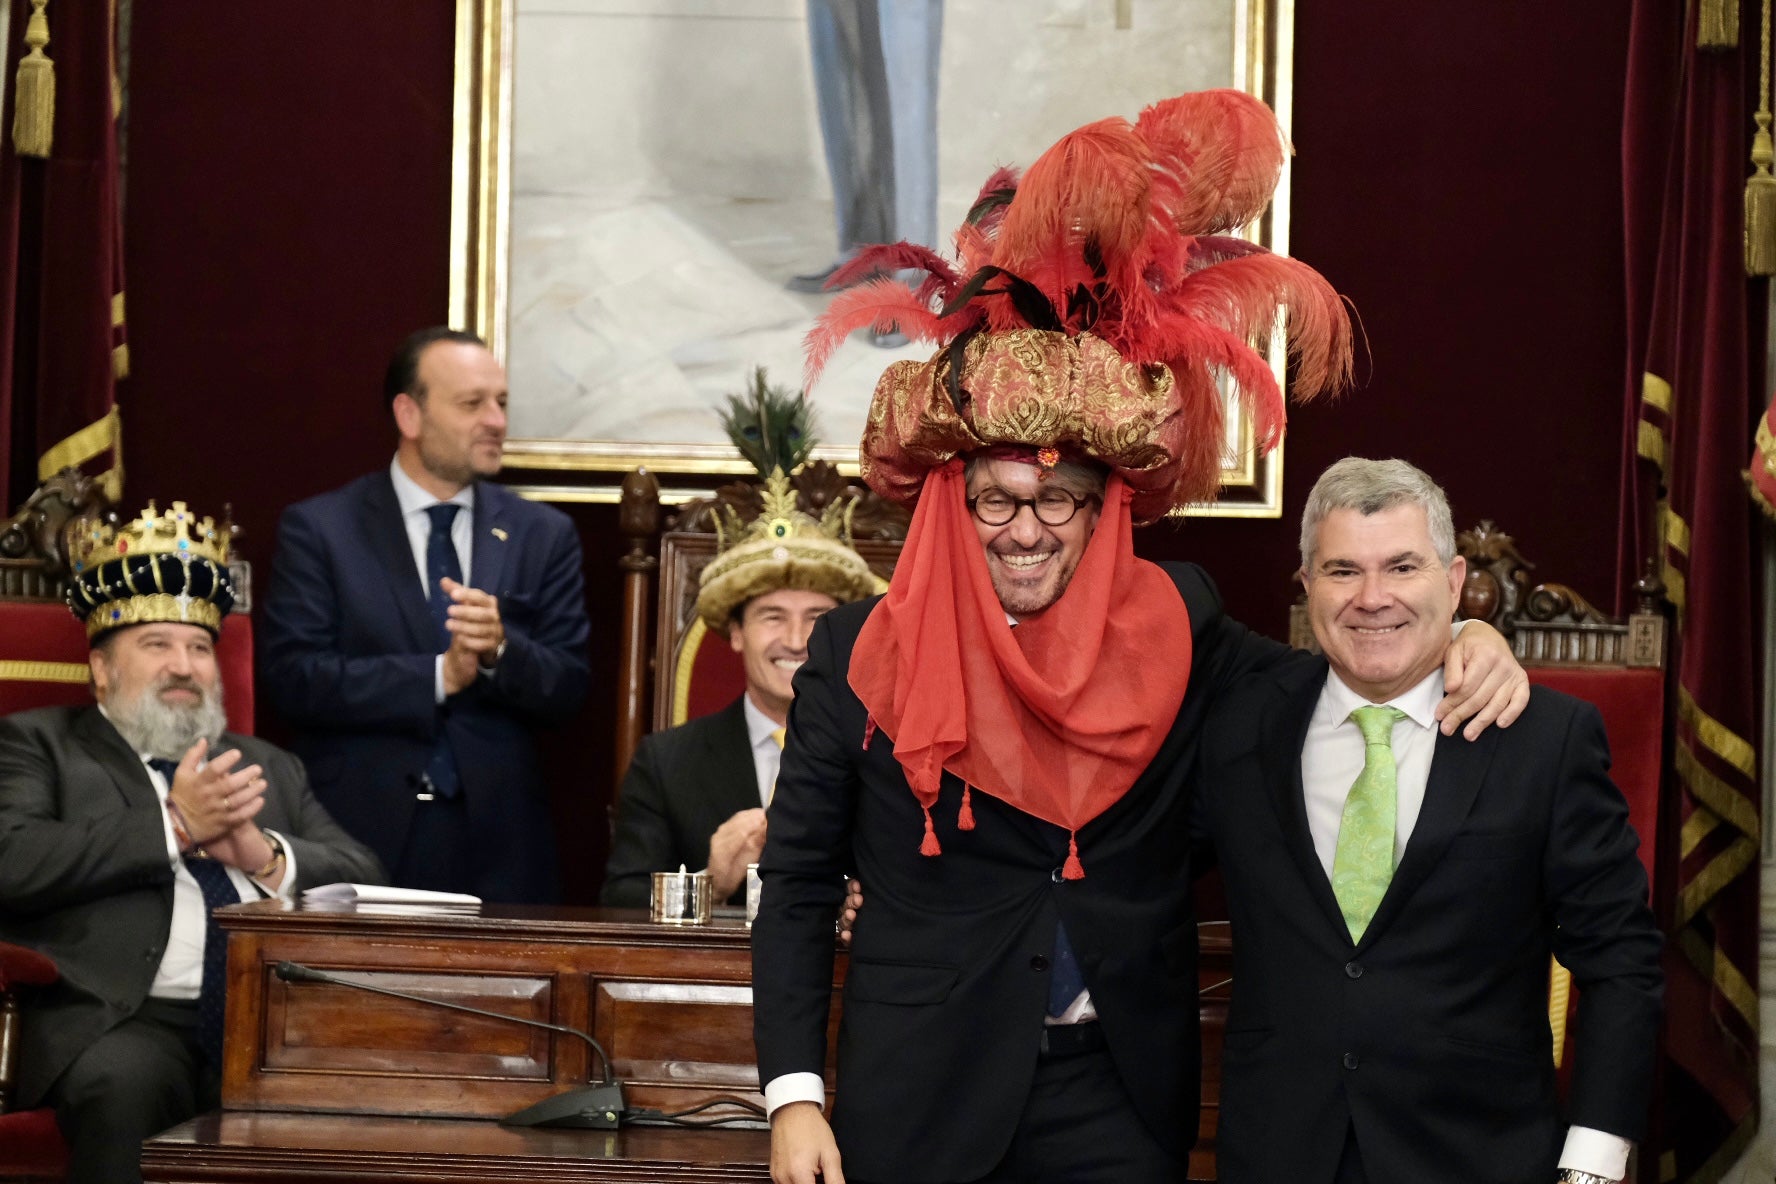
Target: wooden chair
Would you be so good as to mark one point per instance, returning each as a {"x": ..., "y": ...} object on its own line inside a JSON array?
[
  {"x": 43, "y": 652},
  {"x": 1568, "y": 645},
  {"x": 692, "y": 673}
]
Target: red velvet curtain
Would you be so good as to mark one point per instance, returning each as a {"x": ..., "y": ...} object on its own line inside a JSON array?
[
  {"x": 1695, "y": 372},
  {"x": 62, "y": 349}
]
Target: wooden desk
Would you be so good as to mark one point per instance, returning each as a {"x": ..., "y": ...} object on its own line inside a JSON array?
[
  {"x": 672, "y": 1005},
  {"x": 236, "y": 1146},
  {"x": 327, "y": 1082}
]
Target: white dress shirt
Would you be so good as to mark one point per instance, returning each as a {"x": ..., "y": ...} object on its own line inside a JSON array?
[
  {"x": 767, "y": 755},
  {"x": 414, "y": 503},
  {"x": 181, "y": 967},
  {"x": 1331, "y": 759}
]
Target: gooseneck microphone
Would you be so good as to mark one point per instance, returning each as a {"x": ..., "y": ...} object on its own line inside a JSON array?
[{"x": 594, "y": 1107}]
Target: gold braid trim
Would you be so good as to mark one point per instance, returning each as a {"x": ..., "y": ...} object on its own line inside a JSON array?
[
  {"x": 1714, "y": 793},
  {"x": 71, "y": 672},
  {"x": 1712, "y": 964},
  {"x": 1677, "y": 531},
  {"x": 1712, "y": 880},
  {"x": 1696, "y": 827},
  {"x": 1719, "y": 739},
  {"x": 681, "y": 673},
  {"x": 1559, "y": 995},
  {"x": 1655, "y": 391},
  {"x": 1717, "y": 24},
  {"x": 153, "y": 608},
  {"x": 76, "y": 449}
]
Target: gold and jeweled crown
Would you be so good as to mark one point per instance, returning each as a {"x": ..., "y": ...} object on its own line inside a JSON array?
[
  {"x": 170, "y": 566},
  {"x": 784, "y": 547}
]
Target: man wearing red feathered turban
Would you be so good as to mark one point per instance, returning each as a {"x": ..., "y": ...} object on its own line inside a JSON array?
[{"x": 1000, "y": 746}]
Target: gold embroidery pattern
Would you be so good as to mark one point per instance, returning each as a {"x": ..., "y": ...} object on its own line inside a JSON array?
[{"x": 1040, "y": 389}]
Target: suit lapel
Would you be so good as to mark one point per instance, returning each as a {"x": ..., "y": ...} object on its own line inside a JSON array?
[
  {"x": 493, "y": 530},
  {"x": 388, "y": 541},
  {"x": 94, "y": 735},
  {"x": 1288, "y": 796},
  {"x": 1458, "y": 767}
]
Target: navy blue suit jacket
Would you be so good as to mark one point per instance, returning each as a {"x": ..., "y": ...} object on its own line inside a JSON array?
[{"x": 349, "y": 661}]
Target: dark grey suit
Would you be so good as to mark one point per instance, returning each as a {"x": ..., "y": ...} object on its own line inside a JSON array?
[
  {"x": 682, "y": 784},
  {"x": 85, "y": 875}
]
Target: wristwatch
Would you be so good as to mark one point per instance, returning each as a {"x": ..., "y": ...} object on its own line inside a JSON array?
[
  {"x": 1575, "y": 1176},
  {"x": 499, "y": 651}
]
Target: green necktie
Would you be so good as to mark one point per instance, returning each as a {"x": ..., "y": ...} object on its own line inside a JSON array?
[{"x": 1363, "y": 863}]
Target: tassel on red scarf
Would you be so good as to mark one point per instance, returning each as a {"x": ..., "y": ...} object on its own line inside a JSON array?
[
  {"x": 1072, "y": 869},
  {"x": 930, "y": 846},
  {"x": 965, "y": 816}
]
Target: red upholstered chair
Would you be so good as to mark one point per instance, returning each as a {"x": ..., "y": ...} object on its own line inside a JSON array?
[
  {"x": 693, "y": 671},
  {"x": 31, "y": 1146}
]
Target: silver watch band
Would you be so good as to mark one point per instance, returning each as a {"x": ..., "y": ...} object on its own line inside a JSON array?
[{"x": 1575, "y": 1176}]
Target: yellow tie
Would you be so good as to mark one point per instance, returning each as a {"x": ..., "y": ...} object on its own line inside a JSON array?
[{"x": 778, "y": 735}]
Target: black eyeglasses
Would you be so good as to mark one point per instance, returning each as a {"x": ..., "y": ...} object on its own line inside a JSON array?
[{"x": 1052, "y": 507}]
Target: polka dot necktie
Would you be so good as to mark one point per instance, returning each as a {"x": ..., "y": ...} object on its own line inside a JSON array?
[
  {"x": 442, "y": 563},
  {"x": 1363, "y": 863},
  {"x": 218, "y": 890}
]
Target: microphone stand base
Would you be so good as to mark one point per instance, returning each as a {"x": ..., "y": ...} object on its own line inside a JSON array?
[{"x": 596, "y": 1108}]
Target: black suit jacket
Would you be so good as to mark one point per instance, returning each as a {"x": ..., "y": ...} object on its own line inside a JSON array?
[
  {"x": 947, "y": 983},
  {"x": 1430, "y": 1037},
  {"x": 682, "y": 784},
  {"x": 348, "y": 659},
  {"x": 85, "y": 876}
]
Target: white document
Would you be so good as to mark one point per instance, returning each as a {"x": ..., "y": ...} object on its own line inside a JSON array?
[{"x": 381, "y": 894}]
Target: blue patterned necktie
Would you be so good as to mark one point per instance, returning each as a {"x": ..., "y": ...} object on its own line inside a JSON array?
[
  {"x": 218, "y": 890},
  {"x": 442, "y": 563},
  {"x": 1065, "y": 982}
]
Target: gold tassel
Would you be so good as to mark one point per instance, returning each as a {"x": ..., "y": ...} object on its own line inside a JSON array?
[
  {"x": 1717, "y": 24},
  {"x": 33, "y": 122},
  {"x": 1760, "y": 190}
]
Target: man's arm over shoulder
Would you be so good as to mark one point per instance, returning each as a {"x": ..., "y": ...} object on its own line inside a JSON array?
[
  {"x": 1222, "y": 649},
  {"x": 544, "y": 671},
  {"x": 307, "y": 674},
  {"x": 1605, "y": 933},
  {"x": 807, "y": 853},
  {"x": 49, "y": 860}
]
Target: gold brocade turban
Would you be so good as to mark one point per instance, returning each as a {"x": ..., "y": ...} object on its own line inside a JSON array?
[
  {"x": 782, "y": 548},
  {"x": 1099, "y": 309},
  {"x": 161, "y": 567}
]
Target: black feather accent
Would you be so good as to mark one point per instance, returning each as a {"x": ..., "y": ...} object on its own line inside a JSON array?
[{"x": 990, "y": 201}]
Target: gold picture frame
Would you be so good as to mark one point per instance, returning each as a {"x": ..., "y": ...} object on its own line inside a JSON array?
[{"x": 590, "y": 470}]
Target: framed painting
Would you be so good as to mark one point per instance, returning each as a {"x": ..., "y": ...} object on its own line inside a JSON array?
[{"x": 648, "y": 192}]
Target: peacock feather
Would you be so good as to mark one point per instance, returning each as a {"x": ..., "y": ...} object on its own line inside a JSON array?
[{"x": 772, "y": 428}]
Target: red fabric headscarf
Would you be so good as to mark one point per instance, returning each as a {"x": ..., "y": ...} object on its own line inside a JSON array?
[{"x": 1057, "y": 717}]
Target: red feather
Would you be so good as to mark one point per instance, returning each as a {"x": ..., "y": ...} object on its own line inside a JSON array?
[
  {"x": 1224, "y": 150},
  {"x": 882, "y": 305}
]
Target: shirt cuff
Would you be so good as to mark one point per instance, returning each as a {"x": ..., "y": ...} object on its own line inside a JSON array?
[
  {"x": 1456, "y": 627},
  {"x": 438, "y": 680},
  {"x": 794, "y": 1087},
  {"x": 1596, "y": 1152},
  {"x": 286, "y": 890}
]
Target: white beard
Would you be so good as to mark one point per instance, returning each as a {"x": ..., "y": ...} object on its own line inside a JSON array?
[{"x": 167, "y": 730}]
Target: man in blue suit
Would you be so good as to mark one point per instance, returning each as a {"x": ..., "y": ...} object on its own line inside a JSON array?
[{"x": 422, "y": 622}]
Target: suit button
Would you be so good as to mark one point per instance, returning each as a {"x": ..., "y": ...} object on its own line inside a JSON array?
[
  {"x": 1350, "y": 1060},
  {"x": 1056, "y": 876},
  {"x": 1039, "y": 962},
  {"x": 1353, "y": 970}
]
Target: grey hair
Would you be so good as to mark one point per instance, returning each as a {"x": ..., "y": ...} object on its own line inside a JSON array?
[{"x": 1369, "y": 487}]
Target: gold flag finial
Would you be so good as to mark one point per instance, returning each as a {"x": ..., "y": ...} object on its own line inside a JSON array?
[{"x": 33, "y": 121}]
